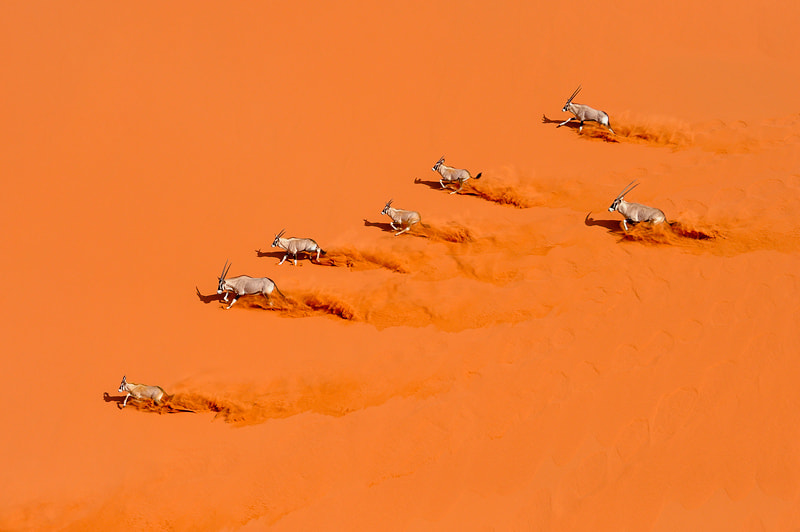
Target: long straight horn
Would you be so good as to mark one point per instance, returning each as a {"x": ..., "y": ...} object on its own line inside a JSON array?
[
  {"x": 440, "y": 160},
  {"x": 574, "y": 94},
  {"x": 627, "y": 189},
  {"x": 282, "y": 231},
  {"x": 224, "y": 270}
]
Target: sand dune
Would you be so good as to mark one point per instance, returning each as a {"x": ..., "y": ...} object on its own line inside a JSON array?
[{"x": 516, "y": 361}]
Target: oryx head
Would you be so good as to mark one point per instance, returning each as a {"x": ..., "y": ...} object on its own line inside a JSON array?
[
  {"x": 278, "y": 237},
  {"x": 569, "y": 100},
  {"x": 122, "y": 385},
  {"x": 386, "y": 208},
  {"x": 438, "y": 164},
  {"x": 621, "y": 196},
  {"x": 221, "y": 286}
]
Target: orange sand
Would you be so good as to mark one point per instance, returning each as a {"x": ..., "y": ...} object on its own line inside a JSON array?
[{"x": 517, "y": 364}]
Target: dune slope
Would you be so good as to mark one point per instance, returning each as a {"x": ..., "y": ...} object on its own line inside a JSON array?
[{"x": 515, "y": 362}]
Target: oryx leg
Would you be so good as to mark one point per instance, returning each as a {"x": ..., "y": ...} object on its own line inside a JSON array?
[
  {"x": 284, "y": 258},
  {"x": 403, "y": 231},
  {"x": 235, "y": 299},
  {"x": 580, "y": 128},
  {"x": 295, "y": 259},
  {"x": 393, "y": 226},
  {"x": 460, "y": 186},
  {"x": 565, "y": 121},
  {"x": 125, "y": 402},
  {"x": 442, "y": 183},
  {"x": 318, "y": 252}
]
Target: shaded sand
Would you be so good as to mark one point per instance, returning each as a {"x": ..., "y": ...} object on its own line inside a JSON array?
[{"x": 515, "y": 362}]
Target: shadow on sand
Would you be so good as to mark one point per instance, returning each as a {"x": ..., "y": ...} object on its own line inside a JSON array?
[
  {"x": 210, "y": 298},
  {"x": 613, "y": 226}
]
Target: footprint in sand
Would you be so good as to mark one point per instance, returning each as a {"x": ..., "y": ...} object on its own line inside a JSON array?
[
  {"x": 674, "y": 411},
  {"x": 632, "y": 439},
  {"x": 591, "y": 475}
]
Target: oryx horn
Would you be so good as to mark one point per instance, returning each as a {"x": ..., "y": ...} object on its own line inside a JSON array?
[
  {"x": 627, "y": 189},
  {"x": 224, "y": 271},
  {"x": 574, "y": 94}
]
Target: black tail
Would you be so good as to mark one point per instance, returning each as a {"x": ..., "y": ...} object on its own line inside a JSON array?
[{"x": 478, "y": 176}]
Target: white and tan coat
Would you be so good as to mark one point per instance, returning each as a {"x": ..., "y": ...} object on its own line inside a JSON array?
[
  {"x": 635, "y": 212},
  {"x": 452, "y": 175},
  {"x": 296, "y": 245},
  {"x": 584, "y": 113},
  {"x": 404, "y": 219},
  {"x": 141, "y": 391},
  {"x": 245, "y": 285}
]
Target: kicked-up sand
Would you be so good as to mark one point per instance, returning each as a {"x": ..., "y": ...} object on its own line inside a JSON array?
[{"x": 515, "y": 362}]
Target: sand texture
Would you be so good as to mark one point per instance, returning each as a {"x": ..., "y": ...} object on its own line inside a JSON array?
[{"x": 516, "y": 361}]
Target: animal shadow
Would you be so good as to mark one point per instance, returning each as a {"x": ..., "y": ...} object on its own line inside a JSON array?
[
  {"x": 381, "y": 225},
  {"x": 435, "y": 185},
  {"x": 590, "y": 129},
  {"x": 612, "y": 226},
  {"x": 573, "y": 124},
  {"x": 113, "y": 399},
  {"x": 209, "y": 298},
  {"x": 275, "y": 254}
]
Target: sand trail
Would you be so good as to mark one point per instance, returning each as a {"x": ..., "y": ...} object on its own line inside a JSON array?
[{"x": 516, "y": 362}]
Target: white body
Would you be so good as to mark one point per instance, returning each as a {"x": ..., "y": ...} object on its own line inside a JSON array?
[
  {"x": 405, "y": 219},
  {"x": 141, "y": 391},
  {"x": 296, "y": 245},
  {"x": 635, "y": 212},
  {"x": 452, "y": 175},
  {"x": 584, "y": 113},
  {"x": 246, "y": 285}
]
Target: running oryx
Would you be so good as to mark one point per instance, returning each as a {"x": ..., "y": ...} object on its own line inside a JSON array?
[
  {"x": 635, "y": 212},
  {"x": 405, "y": 219},
  {"x": 452, "y": 175},
  {"x": 245, "y": 285},
  {"x": 296, "y": 245},
  {"x": 142, "y": 391},
  {"x": 584, "y": 113}
]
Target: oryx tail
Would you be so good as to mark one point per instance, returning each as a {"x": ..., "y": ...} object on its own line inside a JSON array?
[
  {"x": 635, "y": 212},
  {"x": 142, "y": 391},
  {"x": 584, "y": 113},
  {"x": 245, "y": 285},
  {"x": 296, "y": 245},
  {"x": 452, "y": 175}
]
